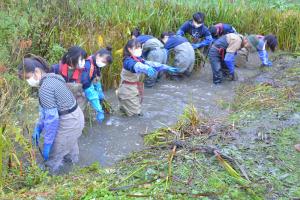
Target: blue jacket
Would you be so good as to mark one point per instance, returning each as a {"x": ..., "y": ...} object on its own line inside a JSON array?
[
  {"x": 86, "y": 79},
  {"x": 196, "y": 33},
  {"x": 174, "y": 41},
  {"x": 144, "y": 38}
]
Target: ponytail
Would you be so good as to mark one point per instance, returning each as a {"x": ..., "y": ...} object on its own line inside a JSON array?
[
  {"x": 30, "y": 62},
  {"x": 107, "y": 52}
]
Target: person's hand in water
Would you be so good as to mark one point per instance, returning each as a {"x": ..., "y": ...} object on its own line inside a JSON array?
[
  {"x": 100, "y": 117},
  {"x": 173, "y": 69},
  {"x": 268, "y": 64},
  {"x": 151, "y": 72}
]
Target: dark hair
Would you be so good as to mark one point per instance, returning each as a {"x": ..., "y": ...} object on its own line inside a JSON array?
[
  {"x": 213, "y": 31},
  {"x": 199, "y": 17},
  {"x": 136, "y": 32},
  {"x": 130, "y": 44},
  {"x": 272, "y": 41},
  {"x": 167, "y": 33},
  {"x": 105, "y": 52},
  {"x": 30, "y": 62},
  {"x": 71, "y": 57}
]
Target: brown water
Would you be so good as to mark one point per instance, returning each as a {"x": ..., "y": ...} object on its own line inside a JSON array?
[{"x": 119, "y": 136}]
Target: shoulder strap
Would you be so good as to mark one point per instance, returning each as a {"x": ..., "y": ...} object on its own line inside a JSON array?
[
  {"x": 92, "y": 68},
  {"x": 63, "y": 69},
  {"x": 138, "y": 59}
]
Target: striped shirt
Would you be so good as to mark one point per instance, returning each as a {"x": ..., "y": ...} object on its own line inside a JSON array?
[{"x": 54, "y": 93}]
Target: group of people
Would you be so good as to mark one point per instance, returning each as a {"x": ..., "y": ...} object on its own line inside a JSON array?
[{"x": 65, "y": 87}]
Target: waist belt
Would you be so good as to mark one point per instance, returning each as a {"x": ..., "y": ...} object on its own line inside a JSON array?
[
  {"x": 221, "y": 51},
  {"x": 140, "y": 87},
  {"x": 65, "y": 112}
]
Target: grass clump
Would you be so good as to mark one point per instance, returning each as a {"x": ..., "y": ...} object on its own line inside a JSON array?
[
  {"x": 261, "y": 97},
  {"x": 189, "y": 124}
]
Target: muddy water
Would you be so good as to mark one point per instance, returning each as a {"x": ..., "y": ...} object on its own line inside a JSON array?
[{"x": 118, "y": 136}]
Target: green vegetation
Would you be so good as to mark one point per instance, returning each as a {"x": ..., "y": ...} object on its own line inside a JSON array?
[{"x": 46, "y": 28}]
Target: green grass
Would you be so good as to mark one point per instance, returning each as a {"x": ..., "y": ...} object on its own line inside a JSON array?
[{"x": 272, "y": 174}]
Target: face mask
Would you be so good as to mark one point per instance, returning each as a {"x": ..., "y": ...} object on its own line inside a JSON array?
[
  {"x": 32, "y": 82},
  {"x": 100, "y": 64},
  {"x": 81, "y": 63},
  {"x": 137, "y": 52},
  {"x": 197, "y": 25}
]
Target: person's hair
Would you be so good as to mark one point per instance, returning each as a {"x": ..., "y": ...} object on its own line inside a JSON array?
[
  {"x": 130, "y": 44},
  {"x": 272, "y": 41},
  {"x": 213, "y": 30},
  {"x": 30, "y": 62},
  {"x": 71, "y": 57},
  {"x": 136, "y": 32},
  {"x": 167, "y": 33},
  {"x": 199, "y": 17},
  {"x": 107, "y": 53}
]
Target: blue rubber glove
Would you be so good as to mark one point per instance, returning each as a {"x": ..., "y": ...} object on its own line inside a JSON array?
[
  {"x": 92, "y": 96},
  {"x": 46, "y": 151},
  {"x": 98, "y": 88},
  {"x": 173, "y": 69},
  {"x": 206, "y": 42},
  {"x": 161, "y": 67},
  {"x": 180, "y": 32},
  {"x": 229, "y": 61},
  {"x": 151, "y": 72},
  {"x": 195, "y": 45},
  {"x": 39, "y": 126},
  {"x": 100, "y": 117},
  {"x": 51, "y": 125},
  {"x": 263, "y": 55},
  {"x": 140, "y": 67},
  {"x": 269, "y": 64},
  {"x": 36, "y": 135}
]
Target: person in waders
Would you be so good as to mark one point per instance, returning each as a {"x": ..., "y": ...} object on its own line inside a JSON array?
[
  {"x": 70, "y": 68},
  {"x": 90, "y": 79},
  {"x": 130, "y": 91},
  {"x": 60, "y": 118},
  {"x": 222, "y": 56},
  {"x": 153, "y": 50},
  {"x": 221, "y": 29},
  {"x": 259, "y": 44},
  {"x": 184, "y": 54}
]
